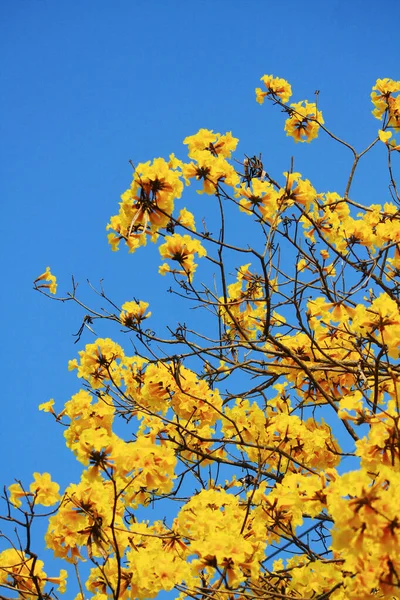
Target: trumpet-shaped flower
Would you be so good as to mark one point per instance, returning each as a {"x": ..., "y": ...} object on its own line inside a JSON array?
[{"x": 49, "y": 281}]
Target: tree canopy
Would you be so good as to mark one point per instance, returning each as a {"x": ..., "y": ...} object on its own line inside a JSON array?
[{"x": 264, "y": 428}]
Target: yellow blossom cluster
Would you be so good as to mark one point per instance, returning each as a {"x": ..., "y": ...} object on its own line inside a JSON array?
[
  {"x": 281, "y": 440},
  {"x": 366, "y": 530},
  {"x": 25, "y": 574},
  {"x": 330, "y": 219},
  {"x": 146, "y": 206},
  {"x": 385, "y": 99},
  {"x": 150, "y": 386},
  {"x": 133, "y": 313},
  {"x": 41, "y": 491},
  {"x": 206, "y": 140},
  {"x": 222, "y": 536},
  {"x": 304, "y": 121},
  {"x": 98, "y": 362},
  {"x": 182, "y": 249},
  {"x": 210, "y": 152},
  {"x": 244, "y": 310},
  {"x": 276, "y": 86}
]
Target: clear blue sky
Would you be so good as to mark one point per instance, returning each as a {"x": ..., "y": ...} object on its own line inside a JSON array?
[{"x": 89, "y": 84}]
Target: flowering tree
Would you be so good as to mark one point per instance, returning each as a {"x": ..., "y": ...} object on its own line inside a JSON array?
[{"x": 237, "y": 414}]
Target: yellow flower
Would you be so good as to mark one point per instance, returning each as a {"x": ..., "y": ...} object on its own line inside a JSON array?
[
  {"x": 60, "y": 581},
  {"x": 275, "y": 87},
  {"x": 182, "y": 249},
  {"x": 174, "y": 163},
  {"x": 16, "y": 493},
  {"x": 383, "y": 96},
  {"x": 133, "y": 313},
  {"x": 146, "y": 207},
  {"x": 202, "y": 140},
  {"x": 302, "y": 124},
  {"x": 214, "y": 143},
  {"x": 48, "y": 277},
  {"x": 351, "y": 401},
  {"x": 72, "y": 364},
  {"x": 47, "y": 406},
  {"x": 258, "y": 195},
  {"x": 330, "y": 270},
  {"x": 45, "y": 490},
  {"x": 212, "y": 169},
  {"x": 186, "y": 218},
  {"x": 302, "y": 264},
  {"x": 384, "y": 136},
  {"x": 22, "y": 573},
  {"x": 98, "y": 362},
  {"x": 164, "y": 269}
]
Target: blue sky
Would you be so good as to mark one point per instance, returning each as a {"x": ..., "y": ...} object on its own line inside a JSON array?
[{"x": 88, "y": 85}]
